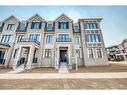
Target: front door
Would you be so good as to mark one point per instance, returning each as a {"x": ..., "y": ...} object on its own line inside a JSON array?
[
  {"x": 2, "y": 60},
  {"x": 63, "y": 55}
]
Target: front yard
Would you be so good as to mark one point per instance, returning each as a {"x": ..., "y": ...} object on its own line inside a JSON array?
[
  {"x": 63, "y": 84},
  {"x": 112, "y": 67}
]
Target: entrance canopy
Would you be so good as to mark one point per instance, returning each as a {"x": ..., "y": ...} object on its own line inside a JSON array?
[{"x": 4, "y": 46}]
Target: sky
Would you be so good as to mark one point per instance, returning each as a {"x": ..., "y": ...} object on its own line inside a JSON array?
[{"x": 113, "y": 25}]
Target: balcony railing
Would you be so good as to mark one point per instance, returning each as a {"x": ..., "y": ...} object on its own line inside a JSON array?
[
  {"x": 63, "y": 40},
  {"x": 30, "y": 40}
]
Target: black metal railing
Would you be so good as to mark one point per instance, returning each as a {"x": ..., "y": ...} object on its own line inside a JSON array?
[
  {"x": 63, "y": 40},
  {"x": 30, "y": 40},
  {"x": 34, "y": 60},
  {"x": 2, "y": 61},
  {"x": 21, "y": 61}
]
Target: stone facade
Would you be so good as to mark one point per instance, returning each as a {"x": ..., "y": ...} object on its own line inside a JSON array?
[{"x": 39, "y": 43}]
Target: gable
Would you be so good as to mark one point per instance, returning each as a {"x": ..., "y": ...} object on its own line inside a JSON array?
[
  {"x": 11, "y": 18},
  {"x": 63, "y": 17},
  {"x": 36, "y": 17}
]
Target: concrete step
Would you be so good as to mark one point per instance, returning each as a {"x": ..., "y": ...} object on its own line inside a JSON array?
[
  {"x": 63, "y": 68},
  {"x": 17, "y": 70}
]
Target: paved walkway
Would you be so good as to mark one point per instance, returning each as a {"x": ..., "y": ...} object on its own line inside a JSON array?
[{"x": 64, "y": 76}]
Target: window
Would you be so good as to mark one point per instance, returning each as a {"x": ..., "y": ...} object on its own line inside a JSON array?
[
  {"x": 77, "y": 52},
  {"x": 36, "y": 25},
  {"x": 47, "y": 53},
  {"x": 22, "y": 26},
  {"x": 5, "y": 38},
  {"x": 91, "y": 26},
  {"x": 75, "y": 27},
  {"x": 63, "y": 38},
  {"x": 49, "y": 39},
  {"x": 99, "y": 53},
  {"x": 63, "y": 25},
  {"x": 20, "y": 37},
  {"x": 10, "y": 27},
  {"x": 90, "y": 53},
  {"x": 15, "y": 53},
  {"x": 34, "y": 37},
  {"x": 93, "y": 38},
  {"x": 77, "y": 40},
  {"x": 49, "y": 27}
]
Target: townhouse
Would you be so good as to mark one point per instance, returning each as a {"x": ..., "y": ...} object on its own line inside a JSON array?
[{"x": 36, "y": 42}]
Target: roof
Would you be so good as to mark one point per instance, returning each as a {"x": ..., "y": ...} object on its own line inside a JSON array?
[
  {"x": 34, "y": 16},
  {"x": 63, "y": 15},
  {"x": 12, "y": 16},
  {"x": 89, "y": 19},
  {"x": 4, "y": 45}
]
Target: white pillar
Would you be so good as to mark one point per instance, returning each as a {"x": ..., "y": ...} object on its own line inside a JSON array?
[
  {"x": 30, "y": 57},
  {"x": 17, "y": 58}
]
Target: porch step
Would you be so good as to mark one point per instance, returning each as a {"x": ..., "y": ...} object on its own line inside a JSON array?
[
  {"x": 63, "y": 68},
  {"x": 18, "y": 70}
]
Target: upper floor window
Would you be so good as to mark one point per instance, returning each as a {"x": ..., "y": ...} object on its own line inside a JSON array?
[
  {"x": 36, "y": 25},
  {"x": 63, "y": 25},
  {"x": 77, "y": 40},
  {"x": 20, "y": 37},
  {"x": 63, "y": 38},
  {"x": 5, "y": 38},
  {"x": 49, "y": 27},
  {"x": 93, "y": 38},
  {"x": 75, "y": 27},
  {"x": 49, "y": 39},
  {"x": 90, "y": 53},
  {"x": 34, "y": 37},
  {"x": 91, "y": 26},
  {"x": 99, "y": 53},
  {"x": 22, "y": 26},
  {"x": 10, "y": 27}
]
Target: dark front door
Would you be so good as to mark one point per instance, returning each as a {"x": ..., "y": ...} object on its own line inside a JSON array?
[
  {"x": 63, "y": 55},
  {"x": 2, "y": 60}
]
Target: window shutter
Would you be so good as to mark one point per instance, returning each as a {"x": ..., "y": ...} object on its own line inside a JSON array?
[
  {"x": 32, "y": 25},
  {"x": 40, "y": 25},
  {"x": 67, "y": 25},
  {"x": 59, "y": 24}
]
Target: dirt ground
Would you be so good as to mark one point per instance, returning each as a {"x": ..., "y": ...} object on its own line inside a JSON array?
[
  {"x": 112, "y": 67},
  {"x": 41, "y": 70},
  {"x": 5, "y": 70},
  {"x": 64, "y": 84}
]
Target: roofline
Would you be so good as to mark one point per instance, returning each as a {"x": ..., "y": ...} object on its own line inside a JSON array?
[
  {"x": 87, "y": 19},
  {"x": 62, "y": 15},
  {"x": 10, "y": 17}
]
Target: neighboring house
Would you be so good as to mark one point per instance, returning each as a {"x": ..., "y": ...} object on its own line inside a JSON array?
[
  {"x": 118, "y": 52},
  {"x": 111, "y": 53},
  {"x": 40, "y": 43},
  {"x": 121, "y": 51}
]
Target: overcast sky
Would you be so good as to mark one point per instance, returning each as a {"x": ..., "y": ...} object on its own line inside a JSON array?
[{"x": 113, "y": 25}]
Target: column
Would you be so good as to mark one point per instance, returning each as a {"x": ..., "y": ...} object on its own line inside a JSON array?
[
  {"x": 17, "y": 58},
  {"x": 30, "y": 57}
]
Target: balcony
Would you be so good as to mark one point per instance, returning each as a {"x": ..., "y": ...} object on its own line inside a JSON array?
[
  {"x": 30, "y": 40},
  {"x": 63, "y": 40}
]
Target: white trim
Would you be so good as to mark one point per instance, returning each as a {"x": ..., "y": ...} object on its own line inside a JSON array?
[
  {"x": 97, "y": 54},
  {"x": 62, "y": 33},
  {"x": 58, "y": 53},
  {"x": 93, "y": 53}
]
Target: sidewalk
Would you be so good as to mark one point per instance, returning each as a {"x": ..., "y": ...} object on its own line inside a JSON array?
[{"x": 64, "y": 76}]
